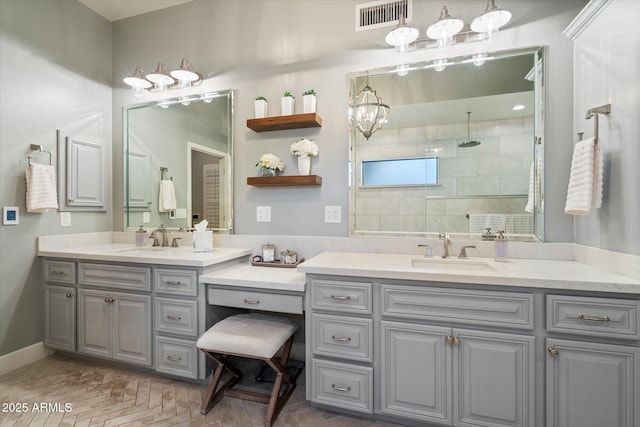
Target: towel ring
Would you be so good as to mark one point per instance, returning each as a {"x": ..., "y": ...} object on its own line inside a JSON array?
[
  {"x": 38, "y": 148},
  {"x": 594, "y": 113}
]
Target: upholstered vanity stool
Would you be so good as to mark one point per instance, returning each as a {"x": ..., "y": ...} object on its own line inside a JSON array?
[{"x": 253, "y": 336}]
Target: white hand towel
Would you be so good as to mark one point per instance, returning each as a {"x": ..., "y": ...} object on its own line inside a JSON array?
[
  {"x": 598, "y": 169},
  {"x": 581, "y": 180},
  {"x": 167, "y": 198},
  {"x": 42, "y": 194},
  {"x": 532, "y": 191}
]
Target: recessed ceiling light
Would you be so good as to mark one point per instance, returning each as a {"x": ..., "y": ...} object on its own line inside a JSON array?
[{"x": 518, "y": 107}]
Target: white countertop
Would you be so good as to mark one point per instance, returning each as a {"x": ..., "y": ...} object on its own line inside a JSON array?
[
  {"x": 127, "y": 252},
  {"x": 246, "y": 275},
  {"x": 547, "y": 274}
]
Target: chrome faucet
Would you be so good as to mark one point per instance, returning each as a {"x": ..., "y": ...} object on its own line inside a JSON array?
[
  {"x": 446, "y": 241},
  {"x": 463, "y": 251},
  {"x": 163, "y": 231}
]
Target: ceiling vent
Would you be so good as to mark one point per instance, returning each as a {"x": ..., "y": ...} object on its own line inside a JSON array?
[{"x": 379, "y": 14}]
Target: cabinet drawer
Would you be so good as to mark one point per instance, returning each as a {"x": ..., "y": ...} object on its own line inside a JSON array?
[
  {"x": 256, "y": 300},
  {"x": 177, "y": 316},
  {"x": 177, "y": 357},
  {"x": 343, "y": 385},
  {"x": 176, "y": 282},
  {"x": 353, "y": 297},
  {"x": 508, "y": 309},
  {"x": 346, "y": 337},
  {"x": 60, "y": 271},
  {"x": 598, "y": 317},
  {"x": 115, "y": 276}
]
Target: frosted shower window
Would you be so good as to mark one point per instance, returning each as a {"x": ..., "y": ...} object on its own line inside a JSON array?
[{"x": 390, "y": 172}]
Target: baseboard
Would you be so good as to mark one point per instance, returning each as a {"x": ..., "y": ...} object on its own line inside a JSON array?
[{"x": 23, "y": 357}]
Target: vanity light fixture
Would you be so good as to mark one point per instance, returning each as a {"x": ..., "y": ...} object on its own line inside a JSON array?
[
  {"x": 448, "y": 30},
  {"x": 162, "y": 79},
  {"x": 518, "y": 107},
  {"x": 369, "y": 113}
]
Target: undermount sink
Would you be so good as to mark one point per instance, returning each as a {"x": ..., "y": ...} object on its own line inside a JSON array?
[{"x": 451, "y": 264}]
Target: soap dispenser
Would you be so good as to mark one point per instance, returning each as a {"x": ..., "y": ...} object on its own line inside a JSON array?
[
  {"x": 501, "y": 243},
  {"x": 141, "y": 237}
]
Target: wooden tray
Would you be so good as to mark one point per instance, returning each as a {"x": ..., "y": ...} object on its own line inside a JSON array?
[{"x": 277, "y": 263}]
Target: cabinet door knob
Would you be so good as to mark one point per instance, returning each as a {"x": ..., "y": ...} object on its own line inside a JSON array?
[
  {"x": 69, "y": 295},
  {"x": 343, "y": 389},
  {"x": 456, "y": 341},
  {"x": 552, "y": 351},
  {"x": 448, "y": 339}
]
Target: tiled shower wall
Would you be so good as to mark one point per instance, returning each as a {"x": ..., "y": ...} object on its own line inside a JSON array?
[{"x": 492, "y": 177}]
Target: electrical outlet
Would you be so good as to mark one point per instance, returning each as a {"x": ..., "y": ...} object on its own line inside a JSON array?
[
  {"x": 333, "y": 214},
  {"x": 263, "y": 214},
  {"x": 65, "y": 219}
]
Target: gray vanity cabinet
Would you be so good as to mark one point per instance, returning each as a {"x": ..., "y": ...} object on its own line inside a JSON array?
[
  {"x": 60, "y": 317},
  {"x": 115, "y": 325},
  {"x": 592, "y": 384},
  {"x": 444, "y": 375}
]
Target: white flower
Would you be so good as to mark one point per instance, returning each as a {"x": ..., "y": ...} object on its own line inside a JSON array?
[
  {"x": 304, "y": 147},
  {"x": 270, "y": 161}
]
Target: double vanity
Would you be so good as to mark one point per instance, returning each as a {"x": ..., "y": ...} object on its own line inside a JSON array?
[{"x": 415, "y": 340}]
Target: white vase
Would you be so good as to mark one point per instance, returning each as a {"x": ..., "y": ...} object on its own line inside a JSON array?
[
  {"x": 261, "y": 106},
  {"x": 304, "y": 165},
  {"x": 309, "y": 103},
  {"x": 287, "y": 103}
]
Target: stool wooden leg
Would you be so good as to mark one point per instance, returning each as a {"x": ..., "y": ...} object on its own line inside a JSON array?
[
  {"x": 212, "y": 397},
  {"x": 277, "y": 402}
]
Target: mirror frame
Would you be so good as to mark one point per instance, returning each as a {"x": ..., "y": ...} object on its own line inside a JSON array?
[
  {"x": 537, "y": 54},
  {"x": 229, "y": 94}
]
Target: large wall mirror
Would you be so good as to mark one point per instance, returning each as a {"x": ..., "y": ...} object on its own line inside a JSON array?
[
  {"x": 460, "y": 151},
  {"x": 188, "y": 142}
]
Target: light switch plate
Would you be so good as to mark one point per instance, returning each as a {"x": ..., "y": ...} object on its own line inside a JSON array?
[
  {"x": 146, "y": 217},
  {"x": 11, "y": 215}
]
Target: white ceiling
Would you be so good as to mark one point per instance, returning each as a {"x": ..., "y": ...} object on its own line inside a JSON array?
[{"x": 114, "y": 10}]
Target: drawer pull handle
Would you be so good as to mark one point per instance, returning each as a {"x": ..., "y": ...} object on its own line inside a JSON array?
[
  {"x": 57, "y": 273},
  {"x": 252, "y": 301},
  {"x": 174, "y": 359},
  {"x": 340, "y": 339},
  {"x": 594, "y": 318},
  {"x": 552, "y": 351},
  {"x": 342, "y": 389},
  {"x": 69, "y": 295},
  {"x": 173, "y": 282},
  {"x": 341, "y": 297},
  {"x": 172, "y": 317}
]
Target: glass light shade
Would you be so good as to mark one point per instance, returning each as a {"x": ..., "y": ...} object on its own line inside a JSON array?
[
  {"x": 369, "y": 112},
  {"x": 402, "y": 35},
  {"x": 491, "y": 20},
  {"x": 445, "y": 27},
  {"x": 160, "y": 78},
  {"x": 185, "y": 74},
  {"x": 479, "y": 59},
  {"x": 137, "y": 82},
  {"x": 440, "y": 64}
]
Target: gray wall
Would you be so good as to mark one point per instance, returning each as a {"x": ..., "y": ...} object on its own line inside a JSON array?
[
  {"x": 55, "y": 58},
  {"x": 609, "y": 56}
]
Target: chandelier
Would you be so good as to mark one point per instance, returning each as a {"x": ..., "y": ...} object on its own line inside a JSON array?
[
  {"x": 369, "y": 113},
  {"x": 448, "y": 30},
  {"x": 162, "y": 79}
]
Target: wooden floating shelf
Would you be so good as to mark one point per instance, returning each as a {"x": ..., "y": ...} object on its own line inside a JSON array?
[
  {"x": 294, "y": 121},
  {"x": 284, "y": 181}
]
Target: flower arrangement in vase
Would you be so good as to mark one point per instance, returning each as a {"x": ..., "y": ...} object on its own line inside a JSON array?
[
  {"x": 304, "y": 148},
  {"x": 270, "y": 164},
  {"x": 309, "y": 101},
  {"x": 287, "y": 103},
  {"x": 261, "y": 106}
]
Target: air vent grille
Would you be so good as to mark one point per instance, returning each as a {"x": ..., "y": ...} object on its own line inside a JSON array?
[{"x": 378, "y": 14}]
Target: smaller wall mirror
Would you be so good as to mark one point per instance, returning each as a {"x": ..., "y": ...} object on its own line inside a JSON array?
[
  {"x": 188, "y": 143},
  {"x": 461, "y": 149}
]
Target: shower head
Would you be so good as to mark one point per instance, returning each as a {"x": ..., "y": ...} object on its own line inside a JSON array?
[{"x": 468, "y": 142}]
